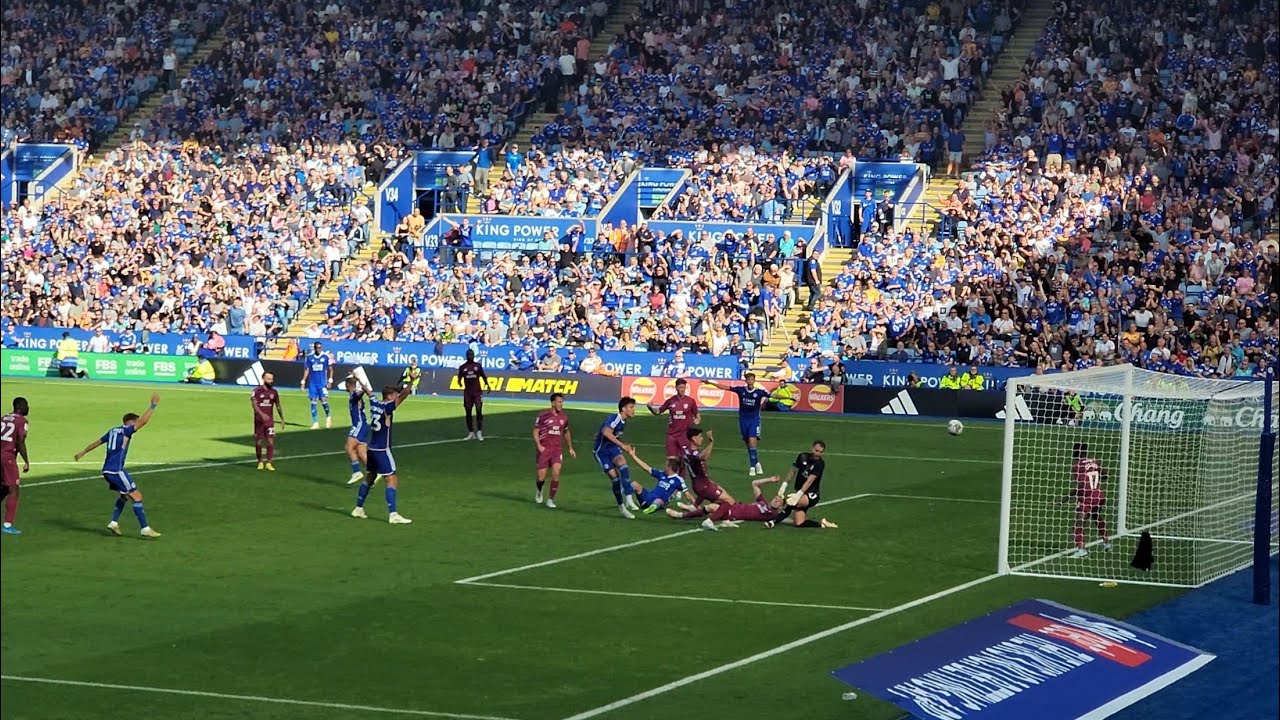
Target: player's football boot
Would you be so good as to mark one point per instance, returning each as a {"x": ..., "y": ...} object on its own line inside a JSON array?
[
  {"x": 758, "y": 469},
  {"x": 1079, "y": 553},
  {"x": 480, "y": 435},
  {"x": 147, "y": 532},
  {"x": 828, "y": 524},
  {"x": 729, "y": 523},
  {"x": 262, "y": 465},
  {"x": 751, "y": 471},
  {"x": 359, "y": 513},
  {"x": 675, "y": 514},
  {"x": 630, "y": 502},
  {"x": 10, "y": 530},
  {"x": 471, "y": 436},
  {"x": 328, "y": 422},
  {"x": 551, "y": 503},
  {"x": 271, "y": 467},
  {"x": 537, "y": 497},
  {"x": 355, "y": 478},
  {"x": 768, "y": 524},
  {"x": 315, "y": 426},
  {"x": 624, "y": 512},
  {"x": 1106, "y": 546},
  {"x": 708, "y": 525},
  {"x": 651, "y": 509},
  {"x": 398, "y": 519},
  {"x": 113, "y": 527}
]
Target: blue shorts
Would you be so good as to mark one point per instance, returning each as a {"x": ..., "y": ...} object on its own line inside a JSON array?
[
  {"x": 317, "y": 393},
  {"x": 360, "y": 433},
  {"x": 605, "y": 458},
  {"x": 749, "y": 427},
  {"x": 649, "y": 497},
  {"x": 380, "y": 462},
  {"x": 119, "y": 481}
]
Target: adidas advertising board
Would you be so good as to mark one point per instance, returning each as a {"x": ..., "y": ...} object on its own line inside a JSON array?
[{"x": 924, "y": 402}]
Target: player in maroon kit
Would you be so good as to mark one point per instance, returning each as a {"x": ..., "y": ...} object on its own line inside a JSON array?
[
  {"x": 471, "y": 376},
  {"x": 264, "y": 398},
  {"x": 1087, "y": 475},
  {"x": 683, "y": 415},
  {"x": 695, "y": 456},
  {"x": 760, "y": 509},
  {"x": 550, "y": 433},
  {"x": 13, "y": 444}
]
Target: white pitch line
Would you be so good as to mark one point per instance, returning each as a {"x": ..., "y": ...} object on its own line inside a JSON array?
[
  {"x": 656, "y": 596},
  {"x": 174, "y": 468},
  {"x": 567, "y": 558},
  {"x": 691, "y": 679},
  {"x": 939, "y": 499},
  {"x": 251, "y": 698}
]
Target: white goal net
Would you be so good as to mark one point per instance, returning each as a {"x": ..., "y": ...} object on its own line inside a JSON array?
[{"x": 1095, "y": 458}]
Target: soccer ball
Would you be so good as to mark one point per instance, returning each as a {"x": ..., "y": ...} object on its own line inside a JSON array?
[{"x": 955, "y": 427}]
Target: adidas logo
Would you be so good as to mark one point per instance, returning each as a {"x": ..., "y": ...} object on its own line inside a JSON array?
[
  {"x": 252, "y": 376},
  {"x": 1020, "y": 411},
  {"x": 900, "y": 405}
]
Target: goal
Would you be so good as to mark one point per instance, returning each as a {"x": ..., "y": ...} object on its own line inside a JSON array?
[{"x": 1179, "y": 460}]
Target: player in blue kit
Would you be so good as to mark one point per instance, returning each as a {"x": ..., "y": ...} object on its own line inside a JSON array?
[
  {"x": 380, "y": 463},
  {"x": 751, "y": 400},
  {"x": 317, "y": 377},
  {"x": 117, "y": 441},
  {"x": 608, "y": 451},
  {"x": 669, "y": 483},
  {"x": 358, "y": 435}
]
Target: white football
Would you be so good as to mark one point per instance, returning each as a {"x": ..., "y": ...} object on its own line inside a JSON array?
[{"x": 955, "y": 427}]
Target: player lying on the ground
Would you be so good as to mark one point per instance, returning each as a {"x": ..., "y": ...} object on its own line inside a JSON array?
[
  {"x": 760, "y": 509},
  {"x": 669, "y": 483},
  {"x": 696, "y": 456}
]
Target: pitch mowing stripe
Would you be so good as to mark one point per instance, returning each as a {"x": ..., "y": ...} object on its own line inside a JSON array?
[
  {"x": 655, "y": 596},
  {"x": 199, "y": 466},
  {"x": 868, "y": 456},
  {"x": 677, "y": 684},
  {"x": 252, "y": 698}
]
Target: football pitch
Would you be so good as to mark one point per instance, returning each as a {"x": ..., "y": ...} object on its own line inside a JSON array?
[{"x": 266, "y": 600}]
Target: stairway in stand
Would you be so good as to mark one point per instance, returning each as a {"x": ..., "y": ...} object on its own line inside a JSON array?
[
  {"x": 1004, "y": 73},
  {"x": 535, "y": 121}
]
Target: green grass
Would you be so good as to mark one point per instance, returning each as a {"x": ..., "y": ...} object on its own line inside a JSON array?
[{"x": 264, "y": 586}]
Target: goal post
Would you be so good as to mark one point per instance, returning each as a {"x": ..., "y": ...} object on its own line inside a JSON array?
[{"x": 1176, "y": 458}]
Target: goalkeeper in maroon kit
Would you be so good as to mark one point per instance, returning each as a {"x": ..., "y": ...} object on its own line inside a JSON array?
[{"x": 1087, "y": 474}]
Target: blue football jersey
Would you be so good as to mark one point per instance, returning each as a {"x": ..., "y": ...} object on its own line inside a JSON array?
[
  {"x": 617, "y": 425},
  {"x": 117, "y": 441},
  {"x": 667, "y": 486},
  {"x": 355, "y": 403},
  {"x": 750, "y": 402},
  {"x": 318, "y": 369},
  {"x": 380, "y": 412}
]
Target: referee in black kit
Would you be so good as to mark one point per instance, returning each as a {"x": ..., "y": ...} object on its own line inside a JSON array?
[{"x": 806, "y": 473}]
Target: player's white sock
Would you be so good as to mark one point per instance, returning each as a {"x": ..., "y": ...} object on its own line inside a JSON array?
[
  {"x": 480, "y": 435},
  {"x": 1079, "y": 553},
  {"x": 328, "y": 422},
  {"x": 631, "y": 503},
  {"x": 624, "y": 512},
  {"x": 759, "y": 469}
]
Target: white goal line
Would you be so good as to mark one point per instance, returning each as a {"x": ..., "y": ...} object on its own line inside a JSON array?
[{"x": 659, "y": 596}]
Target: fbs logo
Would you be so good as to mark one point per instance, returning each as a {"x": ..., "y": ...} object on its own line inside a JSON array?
[
  {"x": 643, "y": 390},
  {"x": 821, "y": 397},
  {"x": 1020, "y": 411},
  {"x": 902, "y": 404},
  {"x": 252, "y": 376},
  {"x": 709, "y": 396}
]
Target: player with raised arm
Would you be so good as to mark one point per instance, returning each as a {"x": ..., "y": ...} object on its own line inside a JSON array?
[
  {"x": 381, "y": 464},
  {"x": 696, "y": 456},
  {"x": 669, "y": 483},
  {"x": 264, "y": 399},
  {"x": 550, "y": 435},
  {"x": 473, "y": 380},
  {"x": 317, "y": 378},
  {"x": 1087, "y": 474},
  {"x": 682, "y": 414},
  {"x": 13, "y": 445},
  {"x": 806, "y": 472},
  {"x": 117, "y": 441},
  {"x": 358, "y": 436},
  {"x": 751, "y": 400},
  {"x": 608, "y": 449},
  {"x": 760, "y": 509}
]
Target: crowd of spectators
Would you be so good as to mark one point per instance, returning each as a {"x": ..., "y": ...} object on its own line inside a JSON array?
[
  {"x": 729, "y": 185},
  {"x": 572, "y": 183},
  {"x": 73, "y": 71},
  {"x": 1119, "y": 212}
]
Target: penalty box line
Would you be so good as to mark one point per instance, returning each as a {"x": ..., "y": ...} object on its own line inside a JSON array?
[{"x": 249, "y": 698}]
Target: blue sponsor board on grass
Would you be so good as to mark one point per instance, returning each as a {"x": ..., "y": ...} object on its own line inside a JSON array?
[
  {"x": 46, "y": 338},
  {"x": 1035, "y": 659}
]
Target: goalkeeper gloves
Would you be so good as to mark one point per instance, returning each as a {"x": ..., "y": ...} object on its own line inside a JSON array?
[{"x": 793, "y": 499}]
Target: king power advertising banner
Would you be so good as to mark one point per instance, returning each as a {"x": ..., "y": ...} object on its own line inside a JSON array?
[
  {"x": 46, "y": 338},
  {"x": 887, "y": 373},
  {"x": 155, "y": 368},
  {"x": 1035, "y": 659},
  {"x": 809, "y": 398}
]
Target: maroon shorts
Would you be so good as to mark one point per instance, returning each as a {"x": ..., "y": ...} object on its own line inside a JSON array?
[
  {"x": 1089, "y": 505},
  {"x": 9, "y": 471},
  {"x": 545, "y": 460},
  {"x": 470, "y": 401},
  {"x": 264, "y": 430},
  {"x": 676, "y": 445},
  {"x": 707, "y": 489}
]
